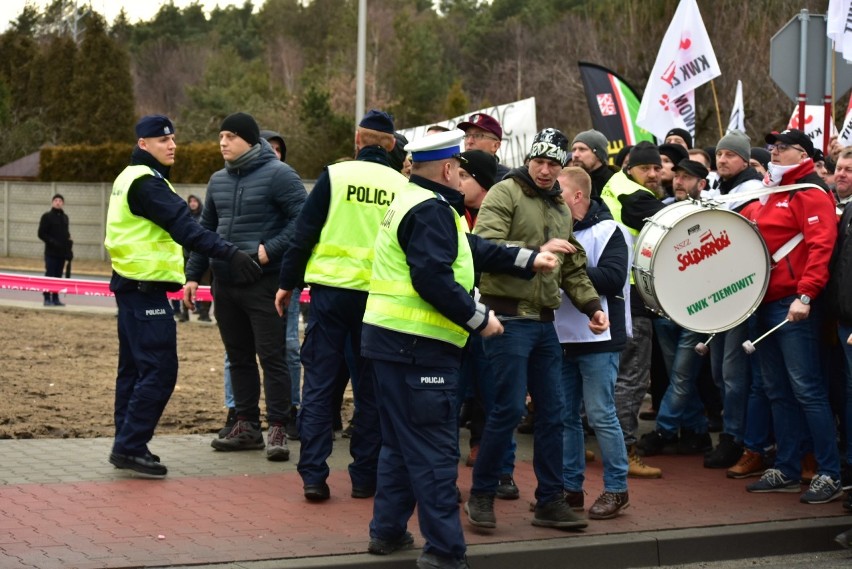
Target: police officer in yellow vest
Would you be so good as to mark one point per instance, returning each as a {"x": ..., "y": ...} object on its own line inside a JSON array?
[
  {"x": 332, "y": 250},
  {"x": 418, "y": 317},
  {"x": 147, "y": 226}
]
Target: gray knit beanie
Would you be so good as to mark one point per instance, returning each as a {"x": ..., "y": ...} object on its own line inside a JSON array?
[
  {"x": 737, "y": 142},
  {"x": 596, "y": 141}
]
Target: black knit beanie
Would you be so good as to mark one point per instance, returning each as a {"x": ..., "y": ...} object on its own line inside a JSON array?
[{"x": 243, "y": 125}]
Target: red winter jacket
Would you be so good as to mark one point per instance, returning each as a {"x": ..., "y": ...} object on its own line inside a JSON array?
[{"x": 811, "y": 212}]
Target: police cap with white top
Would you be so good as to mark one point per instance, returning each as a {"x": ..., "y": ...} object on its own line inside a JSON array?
[{"x": 439, "y": 146}]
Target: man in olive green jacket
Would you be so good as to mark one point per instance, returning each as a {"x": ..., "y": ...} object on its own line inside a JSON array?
[{"x": 527, "y": 209}]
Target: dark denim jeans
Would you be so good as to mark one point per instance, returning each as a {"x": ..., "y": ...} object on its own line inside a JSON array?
[
  {"x": 681, "y": 406},
  {"x": 527, "y": 356},
  {"x": 797, "y": 389}
]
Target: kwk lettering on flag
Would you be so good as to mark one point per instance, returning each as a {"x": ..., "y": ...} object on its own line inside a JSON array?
[{"x": 685, "y": 61}]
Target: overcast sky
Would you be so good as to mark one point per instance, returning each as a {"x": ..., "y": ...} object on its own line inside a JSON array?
[{"x": 136, "y": 9}]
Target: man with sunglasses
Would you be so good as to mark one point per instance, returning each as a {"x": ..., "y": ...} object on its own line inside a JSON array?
[
  {"x": 483, "y": 132},
  {"x": 803, "y": 222}
]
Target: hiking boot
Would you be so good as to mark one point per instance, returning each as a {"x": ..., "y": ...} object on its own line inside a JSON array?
[
  {"x": 480, "y": 511},
  {"x": 657, "y": 442},
  {"x": 379, "y": 546},
  {"x": 506, "y": 489},
  {"x": 432, "y": 561},
  {"x": 750, "y": 464},
  {"x": 558, "y": 514},
  {"x": 229, "y": 423},
  {"x": 691, "y": 442},
  {"x": 809, "y": 468},
  {"x": 638, "y": 469},
  {"x": 471, "y": 457},
  {"x": 823, "y": 490},
  {"x": 576, "y": 500},
  {"x": 276, "y": 444},
  {"x": 726, "y": 454},
  {"x": 773, "y": 481},
  {"x": 243, "y": 436},
  {"x": 608, "y": 505}
]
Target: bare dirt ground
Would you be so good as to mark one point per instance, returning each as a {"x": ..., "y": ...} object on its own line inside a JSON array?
[
  {"x": 57, "y": 371},
  {"x": 57, "y": 376}
]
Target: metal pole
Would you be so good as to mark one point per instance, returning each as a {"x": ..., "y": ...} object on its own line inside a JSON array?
[
  {"x": 804, "y": 19},
  {"x": 362, "y": 58},
  {"x": 829, "y": 95}
]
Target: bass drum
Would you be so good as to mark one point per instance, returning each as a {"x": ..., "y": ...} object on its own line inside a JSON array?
[{"x": 705, "y": 269}]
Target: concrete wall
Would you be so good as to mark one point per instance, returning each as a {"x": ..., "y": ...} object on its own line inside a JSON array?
[{"x": 23, "y": 203}]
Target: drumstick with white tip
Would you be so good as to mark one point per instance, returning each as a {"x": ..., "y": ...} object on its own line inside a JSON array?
[
  {"x": 748, "y": 345},
  {"x": 701, "y": 347}
]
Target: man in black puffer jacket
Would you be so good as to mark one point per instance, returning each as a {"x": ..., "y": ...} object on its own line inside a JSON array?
[{"x": 252, "y": 202}]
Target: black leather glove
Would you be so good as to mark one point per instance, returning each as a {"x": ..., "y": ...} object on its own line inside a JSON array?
[{"x": 244, "y": 270}]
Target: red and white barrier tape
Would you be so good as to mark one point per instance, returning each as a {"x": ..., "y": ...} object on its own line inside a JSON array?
[{"x": 84, "y": 287}]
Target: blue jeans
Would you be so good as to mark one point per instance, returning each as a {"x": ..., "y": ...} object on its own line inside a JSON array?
[
  {"x": 527, "y": 356},
  {"x": 590, "y": 378},
  {"x": 681, "y": 406},
  {"x": 292, "y": 346},
  {"x": 732, "y": 375},
  {"x": 797, "y": 389},
  {"x": 759, "y": 436},
  {"x": 843, "y": 331}
]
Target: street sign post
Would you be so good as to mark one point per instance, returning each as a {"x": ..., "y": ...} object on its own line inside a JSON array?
[{"x": 801, "y": 61}]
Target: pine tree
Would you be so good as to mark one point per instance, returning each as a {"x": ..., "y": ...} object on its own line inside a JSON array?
[{"x": 101, "y": 91}]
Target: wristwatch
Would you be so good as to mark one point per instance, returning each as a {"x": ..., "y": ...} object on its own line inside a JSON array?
[{"x": 804, "y": 299}]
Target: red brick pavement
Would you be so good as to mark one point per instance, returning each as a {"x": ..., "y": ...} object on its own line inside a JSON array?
[{"x": 191, "y": 520}]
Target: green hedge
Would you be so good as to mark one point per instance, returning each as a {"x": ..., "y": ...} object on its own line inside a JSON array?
[{"x": 194, "y": 163}]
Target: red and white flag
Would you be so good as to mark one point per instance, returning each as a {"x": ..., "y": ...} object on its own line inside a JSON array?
[
  {"x": 814, "y": 123},
  {"x": 685, "y": 61},
  {"x": 839, "y": 26}
]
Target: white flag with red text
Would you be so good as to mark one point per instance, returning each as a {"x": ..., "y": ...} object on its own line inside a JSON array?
[
  {"x": 685, "y": 61},
  {"x": 814, "y": 125},
  {"x": 737, "y": 121},
  {"x": 839, "y": 26}
]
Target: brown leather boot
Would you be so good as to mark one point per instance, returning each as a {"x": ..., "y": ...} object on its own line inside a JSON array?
[
  {"x": 608, "y": 505},
  {"x": 750, "y": 464}
]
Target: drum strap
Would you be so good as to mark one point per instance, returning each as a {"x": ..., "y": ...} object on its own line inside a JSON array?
[
  {"x": 754, "y": 194},
  {"x": 785, "y": 249}
]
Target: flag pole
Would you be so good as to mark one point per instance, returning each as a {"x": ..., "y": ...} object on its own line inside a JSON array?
[{"x": 718, "y": 113}]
